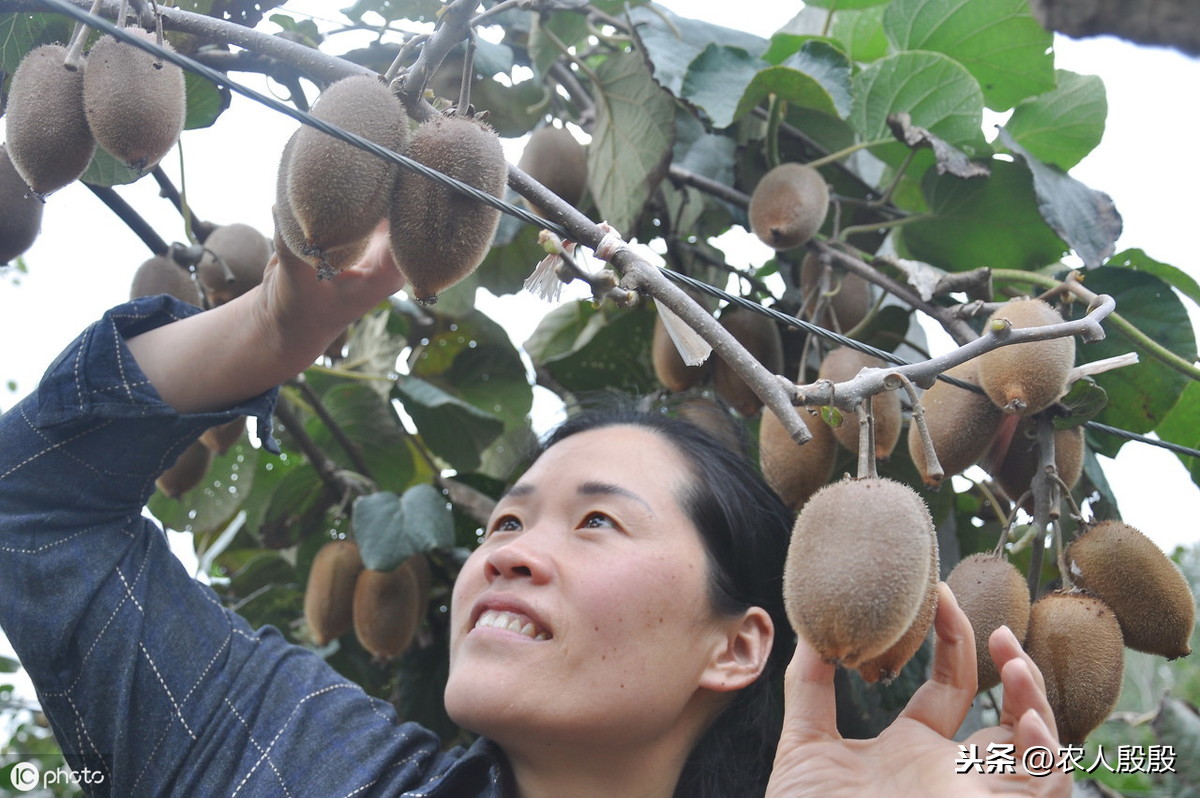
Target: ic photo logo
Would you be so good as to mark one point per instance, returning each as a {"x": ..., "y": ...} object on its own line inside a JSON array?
[{"x": 22, "y": 776}]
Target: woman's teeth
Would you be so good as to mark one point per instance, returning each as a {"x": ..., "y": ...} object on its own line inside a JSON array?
[{"x": 502, "y": 619}]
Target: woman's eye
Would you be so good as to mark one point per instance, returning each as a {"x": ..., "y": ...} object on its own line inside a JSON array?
[
  {"x": 506, "y": 523},
  {"x": 597, "y": 521}
]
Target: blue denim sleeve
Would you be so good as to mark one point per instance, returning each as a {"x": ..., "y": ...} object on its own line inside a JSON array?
[{"x": 147, "y": 679}]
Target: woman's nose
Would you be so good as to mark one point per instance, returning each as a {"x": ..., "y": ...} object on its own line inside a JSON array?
[{"x": 520, "y": 558}]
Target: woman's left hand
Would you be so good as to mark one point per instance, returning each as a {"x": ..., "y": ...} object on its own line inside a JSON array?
[{"x": 916, "y": 754}]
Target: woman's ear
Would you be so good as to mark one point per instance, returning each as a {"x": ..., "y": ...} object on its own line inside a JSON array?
[{"x": 742, "y": 653}]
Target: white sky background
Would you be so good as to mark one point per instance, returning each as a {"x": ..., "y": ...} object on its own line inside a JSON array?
[{"x": 85, "y": 258}]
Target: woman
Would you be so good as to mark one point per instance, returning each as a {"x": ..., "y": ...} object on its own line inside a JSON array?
[{"x": 617, "y": 633}]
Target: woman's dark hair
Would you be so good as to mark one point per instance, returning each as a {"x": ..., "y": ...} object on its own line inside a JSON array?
[{"x": 745, "y": 527}]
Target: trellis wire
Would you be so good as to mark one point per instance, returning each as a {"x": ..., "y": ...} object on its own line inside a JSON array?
[{"x": 220, "y": 79}]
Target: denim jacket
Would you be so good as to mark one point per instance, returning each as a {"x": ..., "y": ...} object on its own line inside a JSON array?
[{"x": 144, "y": 676}]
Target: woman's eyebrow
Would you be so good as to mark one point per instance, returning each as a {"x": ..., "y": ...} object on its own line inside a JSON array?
[{"x": 596, "y": 488}]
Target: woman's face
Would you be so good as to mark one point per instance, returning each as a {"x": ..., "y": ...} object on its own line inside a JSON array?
[{"x": 586, "y": 611}]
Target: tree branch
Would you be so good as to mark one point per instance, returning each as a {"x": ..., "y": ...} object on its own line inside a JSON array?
[{"x": 130, "y": 217}]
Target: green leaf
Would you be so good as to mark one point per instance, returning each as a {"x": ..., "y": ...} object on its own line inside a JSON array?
[
  {"x": 452, "y": 428},
  {"x": 1182, "y": 426},
  {"x": 1083, "y": 401},
  {"x": 504, "y": 269},
  {"x": 105, "y": 170},
  {"x": 1085, "y": 218},
  {"x": 209, "y": 506},
  {"x": 205, "y": 101},
  {"x": 370, "y": 424},
  {"x": 938, "y": 93},
  {"x": 998, "y": 41},
  {"x": 982, "y": 222},
  {"x": 671, "y": 43},
  {"x": 861, "y": 32},
  {"x": 9, "y": 665},
  {"x": 632, "y": 139},
  {"x": 389, "y": 528},
  {"x": 298, "y": 499},
  {"x": 1140, "y": 396},
  {"x": 817, "y": 78},
  {"x": 1178, "y": 279},
  {"x": 844, "y": 5},
  {"x": 717, "y": 78},
  {"x": 20, "y": 33},
  {"x": 1063, "y": 125},
  {"x": 563, "y": 330},
  {"x": 613, "y": 357}
]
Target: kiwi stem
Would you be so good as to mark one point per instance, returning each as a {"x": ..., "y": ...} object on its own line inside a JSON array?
[
  {"x": 74, "y": 57},
  {"x": 468, "y": 71},
  {"x": 846, "y": 232},
  {"x": 932, "y": 465},
  {"x": 866, "y": 439},
  {"x": 775, "y": 111},
  {"x": 405, "y": 50},
  {"x": 834, "y": 157}
]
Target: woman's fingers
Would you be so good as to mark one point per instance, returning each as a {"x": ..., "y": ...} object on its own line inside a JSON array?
[
  {"x": 809, "y": 708},
  {"x": 1024, "y": 687},
  {"x": 943, "y": 701}
]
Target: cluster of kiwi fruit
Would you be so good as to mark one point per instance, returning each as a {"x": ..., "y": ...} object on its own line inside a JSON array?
[
  {"x": 331, "y": 195},
  {"x": 1124, "y": 593},
  {"x": 383, "y": 608},
  {"x": 233, "y": 260}
]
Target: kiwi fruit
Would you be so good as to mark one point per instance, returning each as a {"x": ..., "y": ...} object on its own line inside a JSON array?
[
  {"x": 843, "y": 364},
  {"x": 387, "y": 610},
  {"x": 48, "y": 137},
  {"x": 438, "y": 235},
  {"x": 669, "y": 367},
  {"x": 162, "y": 275},
  {"x": 221, "y": 437},
  {"x": 961, "y": 423},
  {"x": 187, "y": 471},
  {"x": 135, "y": 103},
  {"x": 1026, "y": 378},
  {"x": 795, "y": 471},
  {"x": 20, "y": 215},
  {"x": 848, "y": 301},
  {"x": 1075, "y": 641},
  {"x": 886, "y": 667},
  {"x": 857, "y": 568},
  {"x": 329, "y": 594},
  {"x": 338, "y": 192},
  {"x": 1016, "y": 468},
  {"x": 554, "y": 158},
  {"x": 235, "y": 257},
  {"x": 992, "y": 593},
  {"x": 789, "y": 205},
  {"x": 759, "y": 335},
  {"x": 1146, "y": 590}
]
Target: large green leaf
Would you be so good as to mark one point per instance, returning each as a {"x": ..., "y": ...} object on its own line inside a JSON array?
[
  {"x": 1182, "y": 426},
  {"x": 1140, "y": 396},
  {"x": 1178, "y": 279},
  {"x": 998, "y": 41},
  {"x": 671, "y": 43},
  {"x": 861, "y": 32},
  {"x": 632, "y": 139},
  {"x": 982, "y": 222},
  {"x": 371, "y": 426},
  {"x": 505, "y": 268},
  {"x": 105, "y": 170},
  {"x": 205, "y": 101},
  {"x": 389, "y": 528},
  {"x": 209, "y": 506},
  {"x": 842, "y": 5},
  {"x": 452, "y": 428},
  {"x": 938, "y": 93},
  {"x": 1063, "y": 125},
  {"x": 20, "y": 33},
  {"x": 716, "y": 79},
  {"x": 1083, "y": 217},
  {"x": 615, "y": 356},
  {"x": 817, "y": 77}
]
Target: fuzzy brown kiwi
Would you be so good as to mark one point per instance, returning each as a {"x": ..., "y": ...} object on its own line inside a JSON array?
[
  {"x": 235, "y": 257},
  {"x": 162, "y": 275},
  {"x": 135, "y": 103},
  {"x": 857, "y": 568},
  {"x": 439, "y": 235},
  {"x": 992, "y": 593},
  {"x": 1014, "y": 473},
  {"x": 1075, "y": 641},
  {"x": 793, "y": 470},
  {"x": 789, "y": 205},
  {"x": 47, "y": 132},
  {"x": 20, "y": 215},
  {"x": 337, "y": 192},
  {"x": 554, "y": 158},
  {"x": 844, "y": 363},
  {"x": 760, "y": 337},
  {"x": 221, "y": 437},
  {"x": 886, "y": 667},
  {"x": 186, "y": 472},
  {"x": 1026, "y": 378},
  {"x": 962, "y": 424},
  {"x": 387, "y": 610},
  {"x": 1146, "y": 590},
  {"x": 329, "y": 594},
  {"x": 849, "y": 298}
]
